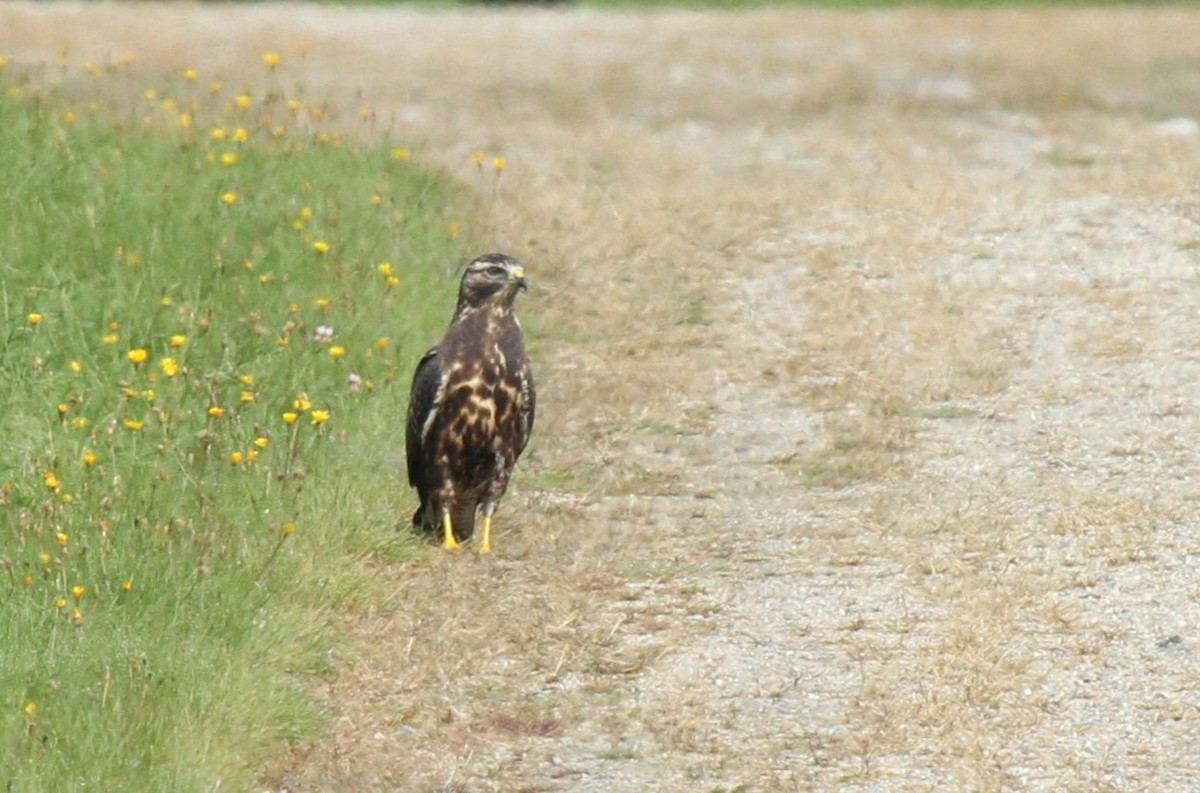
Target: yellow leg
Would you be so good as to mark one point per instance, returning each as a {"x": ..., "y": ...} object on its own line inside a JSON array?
[
  {"x": 486, "y": 545},
  {"x": 448, "y": 541}
]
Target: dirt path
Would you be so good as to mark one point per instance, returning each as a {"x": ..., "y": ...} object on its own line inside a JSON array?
[{"x": 868, "y": 363}]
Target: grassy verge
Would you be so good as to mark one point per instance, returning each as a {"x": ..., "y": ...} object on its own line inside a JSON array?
[{"x": 209, "y": 308}]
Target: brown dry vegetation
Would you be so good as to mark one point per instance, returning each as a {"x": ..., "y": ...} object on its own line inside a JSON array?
[{"x": 867, "y": 350}]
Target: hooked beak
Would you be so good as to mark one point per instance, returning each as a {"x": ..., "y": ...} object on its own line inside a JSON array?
[{"x": 518, "y": 277}]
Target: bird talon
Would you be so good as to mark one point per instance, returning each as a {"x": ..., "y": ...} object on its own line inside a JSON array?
[
  {"x": 448, "y": 541},
  {"x": 485, "y": 545}
]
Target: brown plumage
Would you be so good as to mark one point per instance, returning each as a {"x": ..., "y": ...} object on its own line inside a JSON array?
[{"x": 472, "y": 406}]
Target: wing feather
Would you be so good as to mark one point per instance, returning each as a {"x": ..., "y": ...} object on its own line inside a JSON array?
[
  {"x": 420, "y": 404},
  {"x": 528, "y": 406}
]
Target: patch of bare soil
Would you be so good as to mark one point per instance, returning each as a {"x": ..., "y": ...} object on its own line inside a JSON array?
[{"x": 868, "y": 364}]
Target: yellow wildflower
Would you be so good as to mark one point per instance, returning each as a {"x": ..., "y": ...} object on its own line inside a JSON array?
[
  {"x": 169, "y": 366},
  {"x": 301, "y": 403},
  {"x": 30, "y": 708},
  {"x": 243, "y": 102},
  {"x": 271, "y": 59},
  {"x": 229, "y": 198},
  {"x": 217, "y": 134},
  {"x": 190, "y": 75},
  {"x": 247, "y": 397},
  {"x": 134, "y": 424},
  {"x": 62, "y": 539},
  {"x": 498, "y": 164},
  {"x": 401, "y": 155},
  {"x": 262, "y": 442},
  {"x": 178, "y": 340},
  {"x": 76, "y": 367},
  {"x": 229, "y": 158},
  {"x": 50, "y": 480},
  {"x": 235, "y": 458},
  {"x": 288, "y": 529},
  {"x": 78, "y": 591},
  {"x": 321, "y": 246},
  {"x": 290, "y": 417},
  {"x": 337, "y": 352},
  {"x": 110, "y": 338},
  {"x": 89, "y": 459},
  {"x": 306, "y": 213},
  {"x": 318, "y": 417},
  {"x": 35, "y": 319},
  {"x": 216, "y": 412},
  {"x": 240, "y": 135},
  {"x": 126, "y": 585},
  {"x": 138, "y": 356}
]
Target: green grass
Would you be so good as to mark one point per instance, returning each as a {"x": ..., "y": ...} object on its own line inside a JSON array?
[{"x": 171, "y": 546}]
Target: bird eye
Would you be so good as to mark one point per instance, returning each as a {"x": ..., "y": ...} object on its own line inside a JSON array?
[{"x": 495, "y": 271}]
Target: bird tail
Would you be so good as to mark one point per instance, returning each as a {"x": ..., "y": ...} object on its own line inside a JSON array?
[
  {"x": 463, "y": 519},
  {"x": 422, "y": 518}
]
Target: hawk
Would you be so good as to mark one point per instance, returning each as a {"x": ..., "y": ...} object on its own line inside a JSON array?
[{"x": 471, "y": 409}]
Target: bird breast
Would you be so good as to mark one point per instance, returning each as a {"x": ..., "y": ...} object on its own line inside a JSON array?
[{"x": 471, "y": 391}]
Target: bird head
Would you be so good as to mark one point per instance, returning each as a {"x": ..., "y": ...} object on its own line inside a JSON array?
[{"x": 492, "y": 279}]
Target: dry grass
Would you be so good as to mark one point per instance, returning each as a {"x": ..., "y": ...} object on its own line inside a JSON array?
[{"x": 866, "y": 353}]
